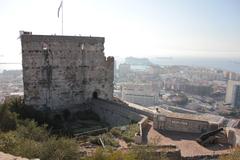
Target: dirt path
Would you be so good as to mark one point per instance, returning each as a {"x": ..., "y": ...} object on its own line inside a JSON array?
[
  {"x": 123, "y": 144},
  {"x": 4, "y": 156}
]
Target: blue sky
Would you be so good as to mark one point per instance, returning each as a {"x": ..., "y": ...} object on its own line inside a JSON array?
[{"x": 194, "y": 28}]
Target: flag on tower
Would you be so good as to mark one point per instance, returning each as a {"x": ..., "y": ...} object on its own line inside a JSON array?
[{"x": 59, "y": 8}]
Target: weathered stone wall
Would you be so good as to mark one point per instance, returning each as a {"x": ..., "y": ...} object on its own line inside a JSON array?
[
  {"x": 113, "y": 113},
  {"x": 181, "y": 125},
  {"x": 65, "y": 71},
  {"x": 234, "y": 137},
  {"x": 138, "y": 138}
]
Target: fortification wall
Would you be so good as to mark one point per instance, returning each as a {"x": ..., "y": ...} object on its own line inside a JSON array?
[
  {"x": 181, "y": 125},
  {"x": 65, "y": 71},
  {"x": 113, "y": 113}
]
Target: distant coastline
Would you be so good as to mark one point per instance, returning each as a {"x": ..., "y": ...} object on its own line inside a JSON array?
[
  {"x": 217, "y": 63},
  {"x": 232, "y": 65},
  {"x": 10, "y": 67}
]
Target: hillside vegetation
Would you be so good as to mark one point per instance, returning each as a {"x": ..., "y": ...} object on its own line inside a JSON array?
[{"x": 26, "y": 138}]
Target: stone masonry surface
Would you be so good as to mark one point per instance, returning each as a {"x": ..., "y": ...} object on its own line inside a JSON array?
[{"x": 61, "y": 72}]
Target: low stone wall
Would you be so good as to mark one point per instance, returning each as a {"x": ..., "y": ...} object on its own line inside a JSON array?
[
  {"x": 140, "y": 109},
  {"x": 114, "y": 114},
  {"x": 234, "y": 137},
  {"x": 202, "y": 157},
  {"x": 141, "y": 124}
]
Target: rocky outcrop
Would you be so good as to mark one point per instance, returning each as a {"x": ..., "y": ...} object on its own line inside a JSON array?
[{"x": 4, "y": 156}]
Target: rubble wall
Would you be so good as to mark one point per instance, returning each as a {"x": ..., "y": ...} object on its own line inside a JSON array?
[{"x": 65, "y": 71}]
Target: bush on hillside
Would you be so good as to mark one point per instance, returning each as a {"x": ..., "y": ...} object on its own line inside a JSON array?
[
  {"x": 126, "y": 134},
  {"x": 25, "y": 138},
  {"x": 20, "y": 143},
  {"x": 59, "y": 149},
  {"x": 8, "y": 120},
  {"x": 17, "y": 105},
  {"x": 232, "y": 156},
  {"x": 141, "y": 153},
  {"x": 29, "y": 129},
  {"x": 107, "y": 139}
]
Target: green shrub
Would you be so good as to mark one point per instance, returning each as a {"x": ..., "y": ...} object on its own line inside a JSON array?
[
  {"x": 14, "y": 103},
  {"x": 145, "y": 153},
  {"x": 51, "y": 149},
  {"x": 28, "y": 129},
  {"x": 11, "y": 143},
  {"x": 127, "y": 134},
  {"x": 107, "y": 139},
  {"x": 116, "y": 132},
  {"x": 94, "y": 140},
  {"x": 27, "y": 148},
  {"x": 142, "y": 153},
  {"x": 100, "y": 154},
  {"x": 119, "y": 155},
  {"x": 24, "y": 137},
  {"x": 8, "y": 120},
  {"x": 59, "y": 149},
  {"x": 232, "y": 156},
  {"x": 8, "y": 142}
]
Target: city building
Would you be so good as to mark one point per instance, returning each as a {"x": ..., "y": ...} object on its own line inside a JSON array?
[
  {"x": 233, "y": 93},
  {"x": 189, "y": 123},
  {"x": 124, "y": 69},
  {"x": 143, "y": 94}
]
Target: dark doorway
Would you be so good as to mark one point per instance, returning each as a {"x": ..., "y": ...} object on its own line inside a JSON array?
[
  {"x": 66, "y": 114},
  {"x": 57, "y": 118},
  {"x": 95, "y": 95}
]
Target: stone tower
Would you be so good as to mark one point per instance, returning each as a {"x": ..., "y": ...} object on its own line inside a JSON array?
[{"x": 64, "y": 71}]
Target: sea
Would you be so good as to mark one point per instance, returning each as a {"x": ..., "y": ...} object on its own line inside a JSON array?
[
  {"x": 10, "y": 67},
  {"x": 227, "y": 64}
]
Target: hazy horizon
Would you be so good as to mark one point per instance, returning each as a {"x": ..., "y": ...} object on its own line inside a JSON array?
[
  {"x": 226, "y": 64},
  {"x": 139, "y": 28}
]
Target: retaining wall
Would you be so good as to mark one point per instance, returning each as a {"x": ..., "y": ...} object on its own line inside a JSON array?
[{"x": 114, "y": 114}]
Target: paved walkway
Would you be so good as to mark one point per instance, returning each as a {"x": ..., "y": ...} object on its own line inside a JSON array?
[{"x": 184, "y": 141}]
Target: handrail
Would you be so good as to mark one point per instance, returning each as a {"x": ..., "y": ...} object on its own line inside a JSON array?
[{"x": 95, "y": 130}]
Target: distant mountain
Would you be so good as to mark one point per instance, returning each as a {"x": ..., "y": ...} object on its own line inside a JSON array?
[{"x": 137, "y": 61}]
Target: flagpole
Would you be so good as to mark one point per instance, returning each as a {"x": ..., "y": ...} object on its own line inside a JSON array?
[{"x": 62, "y": 17}]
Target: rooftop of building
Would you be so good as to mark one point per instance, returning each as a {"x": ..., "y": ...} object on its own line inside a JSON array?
[
  {"x": 194, "y": 117},
  {"x": 210, "y": 118},
  {"x": 232, "y": 82},
  {"x": 26, "y": 35}
]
